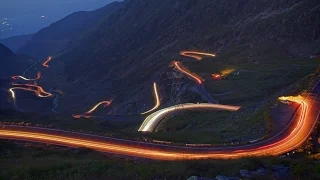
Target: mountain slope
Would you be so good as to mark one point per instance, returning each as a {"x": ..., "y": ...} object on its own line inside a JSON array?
[
  {"x": 118, "y": 60},
  {"x": 12, "y": 64},
  {"x": 5, "y": 52},
  {"x": 16, "y": 42},
  {"x": 57, "y": 36}
]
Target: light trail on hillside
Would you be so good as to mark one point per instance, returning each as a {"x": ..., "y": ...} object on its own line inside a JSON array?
[
  {"x": 178, "y": 65},
  {"x": 195, "y": 77},
  {"x": 87, "y": 114},
  {"x": 40, "y": 90},
  {"x": 27, "y": 79},
  {"x": 26, "y": 89},
  {"x": 157, "y": 100},
  {"x": 45, "y": 64},
  {"x": 14, "y": 97},
  {"x": 295, "y": 133},
  {"x": 291, "y": 138},
  {"x": 153, "y": 120},
  {"x": 195, "y": 54}
]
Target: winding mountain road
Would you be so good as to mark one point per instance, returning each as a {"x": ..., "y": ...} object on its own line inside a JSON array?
[
  {"x": 292, "y": 136},
  {"x": 199, "y": 80},
  {"x": 27, "y": 79},
  {"x": 157, "y": 99},
  {"x": 88, "y": 113},
  {"x": 297, "y": 131},
  {"x": 153, "y": 120}
]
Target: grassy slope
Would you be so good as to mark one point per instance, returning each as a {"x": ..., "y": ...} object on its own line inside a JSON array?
[
  {"x": 263, "y": 72},
  {"x": 255, "y": 82},
  {"x": 54, "y": 163}
]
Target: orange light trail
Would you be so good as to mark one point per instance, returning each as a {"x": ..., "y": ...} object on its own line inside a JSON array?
[
  {"x": 287, "y": 142},
  {"x": 45, "y": 64},
  {"x": 183, "y": 70},
  {"x": 156, "y": 98},
  {"x": 196, "y": 55},
  {"x": 106, "y": 103},
  {"x": 87, "y": 114},
  {"x": 77, "y": 116},
  {"x": 11, "y": 90},
  {"x": 27, "y": 79},
  {"x": 39, "y": 89}
]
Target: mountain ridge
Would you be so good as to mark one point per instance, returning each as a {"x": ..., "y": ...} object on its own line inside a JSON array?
[
  {"x": 57, "y": 36},
  {"x": 118, "y": 59}
]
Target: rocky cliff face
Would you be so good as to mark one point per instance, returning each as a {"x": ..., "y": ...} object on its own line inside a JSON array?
[
  {"x": 57, "y": 36},
  {"x": 119, "y": 58}
]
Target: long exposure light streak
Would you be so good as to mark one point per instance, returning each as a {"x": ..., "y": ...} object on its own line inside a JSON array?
[
  {"x": 39, "y": 89},
  {"x": 196, "y": 55},
  {"x": 45, "y": 64},
  {"x": 153, "y": 120},
  {"x": 286, "y": 142},
  {"x": 37, "y": 92},
  {"x": 184, "y": 71},
  {"x": 87, "y": 114},
  {"x": 291, "y": 138},
  {"x": 27, "y": 79},
  {"x": 157, "y": 99}
]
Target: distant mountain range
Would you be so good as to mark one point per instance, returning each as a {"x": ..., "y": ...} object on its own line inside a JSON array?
[
  {"x": 17, "y": 18},
  {"x": 114, "y": 52}
]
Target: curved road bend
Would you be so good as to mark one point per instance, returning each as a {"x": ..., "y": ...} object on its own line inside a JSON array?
[
  {"x": 45, "y": 64},
  {"x": 205, "y": 93},
  {"x": 196, "y": 55},
  {"x": 157, "y": 99},
  {"x": 289, "y": 139},
  {"x": 88, "y": 113},
  {"x": 198, "y": 80},
  {"x": 151, "y": 122},
  {"x": 27, "y": 79}
]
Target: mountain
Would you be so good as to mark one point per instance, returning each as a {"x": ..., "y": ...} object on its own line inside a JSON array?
[
  {"x": 54, "y": 38},
  {"x": 119, "y": 58},
  {"x": 16, "y": 42},
  {"x": 5, "y": 52},
  {"x": 12, "y": 64}
]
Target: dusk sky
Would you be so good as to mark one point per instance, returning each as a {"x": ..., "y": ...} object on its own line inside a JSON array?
[{"x": 18, "y": 17}]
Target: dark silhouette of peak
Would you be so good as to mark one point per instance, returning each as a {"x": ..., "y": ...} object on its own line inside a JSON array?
[
  {"x": 54, "y": 38},
  {"x": 5, "y": 52},
  {"x": 12, "y": 64},
  {"x": 16, "y": 42}
]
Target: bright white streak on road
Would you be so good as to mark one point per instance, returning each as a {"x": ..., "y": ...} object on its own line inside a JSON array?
[{"x": 151, "y": 121}]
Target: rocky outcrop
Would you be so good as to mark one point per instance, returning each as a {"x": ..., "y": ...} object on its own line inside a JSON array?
[
  {"x": 277, "y": 172},
  {"x": 198, "y": 178},
  {"x": 226, "y": 178}
]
